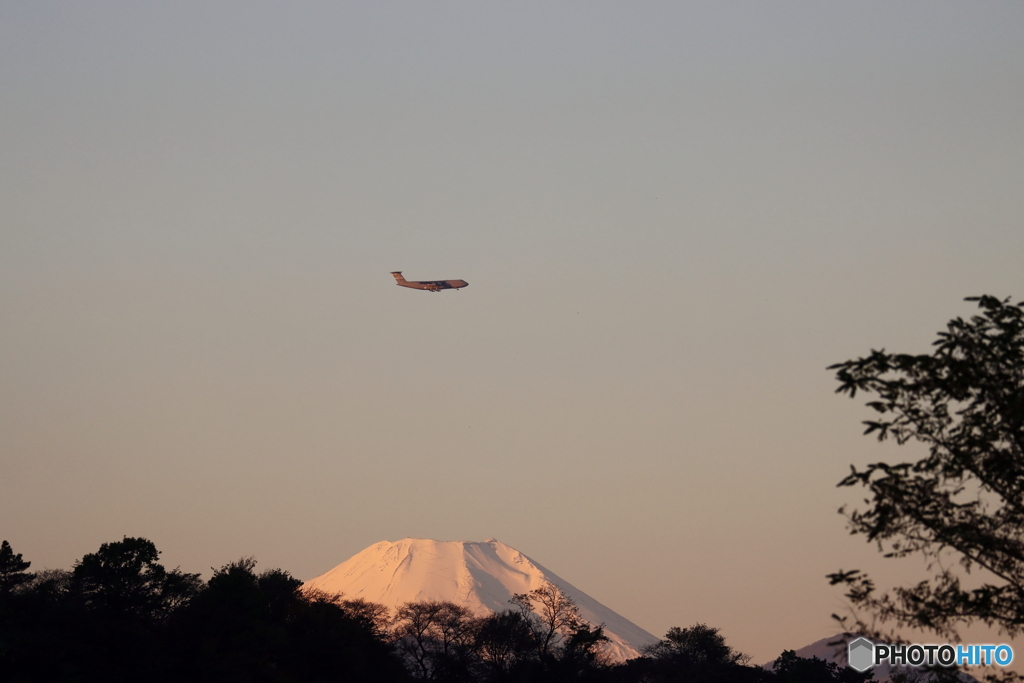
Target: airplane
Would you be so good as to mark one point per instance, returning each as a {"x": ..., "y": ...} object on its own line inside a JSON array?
[{"x": 429, "y": 285}]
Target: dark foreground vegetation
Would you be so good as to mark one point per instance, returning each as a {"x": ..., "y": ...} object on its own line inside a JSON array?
[
  {"x": 960, "y": 505},
  {"x": 119, "y": 615}
]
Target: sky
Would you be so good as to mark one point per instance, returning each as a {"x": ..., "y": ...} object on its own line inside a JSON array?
[{"x": 672, "y": 218}]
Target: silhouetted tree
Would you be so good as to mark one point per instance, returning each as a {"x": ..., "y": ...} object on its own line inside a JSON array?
[
  {"x": 697, "y": 654},
  {"x": 963, "y": 503},
  {"x": 504, "y": 641},
  {"x": 125, "y": 578},
  {"x": 550, "y": 614},
  {"x": 120, "y": 616},
  {"x": 12, "y": 611},
  {"x": 376, "y": 616},
  {"x": 698, "y": 644},
  {"x": 436, "y": 639},
  {"x": 12, "y": 569},
  {"x": 246, "y": 626},
  {"x": 105, "y": 621},
  {"x": 789, "y": 668},
  {"x": 581, "y": 652},
  {"x": 344, "y": 642}
]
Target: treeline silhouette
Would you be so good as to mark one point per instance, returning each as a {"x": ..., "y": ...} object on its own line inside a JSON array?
[{"x": 119, "y": 615}]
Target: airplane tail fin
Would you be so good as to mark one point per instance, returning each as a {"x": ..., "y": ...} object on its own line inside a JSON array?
[{"x": 398, "y": 276}]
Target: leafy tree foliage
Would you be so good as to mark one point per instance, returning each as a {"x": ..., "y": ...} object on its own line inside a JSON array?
[
  {"x": 789, "y": 668},
  {"x": 12, "y": 569},
  {"x": 103, "y": 621},
  {"x": 120, "y": 616},
  {"x": 697, "y": 645},
  {"x": 963, "y": 503},
  {"x": 125, "y": 578},
  {"x": 697, "y": 654},
  {"x": 248, "y": 626}
]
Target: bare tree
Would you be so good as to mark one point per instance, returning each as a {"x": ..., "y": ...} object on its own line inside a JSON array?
[
  {"x": 435, "y": 638},
  {"x": 551, "y": 615}
]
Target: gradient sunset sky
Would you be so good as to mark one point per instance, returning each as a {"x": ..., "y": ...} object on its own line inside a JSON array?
[{"x": 672, "y": 217}]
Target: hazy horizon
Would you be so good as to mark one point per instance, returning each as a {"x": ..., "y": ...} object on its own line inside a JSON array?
[{"x": 672, "y": 218}]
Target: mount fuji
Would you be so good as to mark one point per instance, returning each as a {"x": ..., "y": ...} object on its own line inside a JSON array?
[{"x": 479, "y": 576}]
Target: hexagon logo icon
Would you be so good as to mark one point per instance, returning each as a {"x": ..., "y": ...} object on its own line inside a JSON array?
[{"x": 860, "y": 654}]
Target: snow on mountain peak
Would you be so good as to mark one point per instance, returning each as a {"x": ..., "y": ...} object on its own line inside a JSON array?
[{"x": 481, "y": 576}]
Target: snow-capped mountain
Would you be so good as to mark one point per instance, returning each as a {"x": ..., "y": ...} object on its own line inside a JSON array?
[{"x": 480, "y": 576}]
